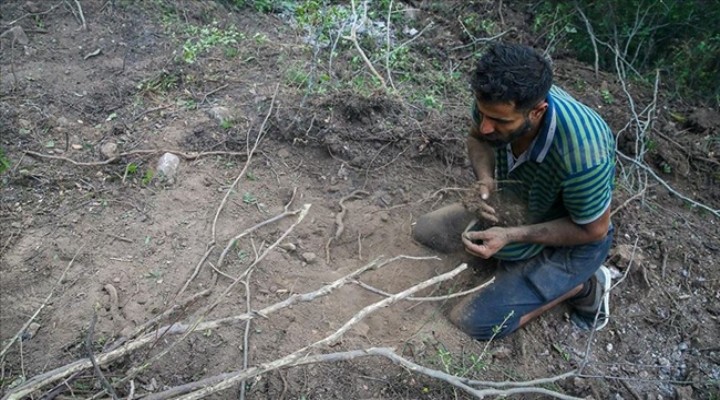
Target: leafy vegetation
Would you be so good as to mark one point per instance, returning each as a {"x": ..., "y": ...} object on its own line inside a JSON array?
[
  {"x": 4, "y": 162},
  {"x": 677, "y": 37}
]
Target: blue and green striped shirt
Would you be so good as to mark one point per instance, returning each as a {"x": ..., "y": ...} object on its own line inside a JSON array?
[{"x": 567, "y": 171}]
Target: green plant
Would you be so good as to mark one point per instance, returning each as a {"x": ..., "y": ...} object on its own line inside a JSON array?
[
  {"x": 131, "y": 168},
  {"x": 203, "y": 38},
  {"x": 607, "y": 96},
  {"x": 248, "y": 198},
  {"x": 251, "y": 176},
  {"x": 226, "y": 124},
  {"x": 676, "y": 36},
  {"x": 147, "y": 177},
  {"x": 159, "y": 83},
  {"x": 4, "y": 162}
]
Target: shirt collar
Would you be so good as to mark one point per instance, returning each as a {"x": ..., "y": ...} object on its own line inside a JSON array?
[{"x": 541, "y": 145}]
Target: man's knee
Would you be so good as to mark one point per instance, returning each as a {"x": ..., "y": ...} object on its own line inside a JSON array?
[
  {"x": 441, "y": 229},
  {"x": 482, "y": 326}
]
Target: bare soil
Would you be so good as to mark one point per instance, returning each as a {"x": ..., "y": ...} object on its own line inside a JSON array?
[{"x": 137, "y": 235}]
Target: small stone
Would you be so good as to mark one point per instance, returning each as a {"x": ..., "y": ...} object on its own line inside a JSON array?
[
  {"x": 288, "y": 247},
  {"x": 309, "y": 257},
  {"x": 384, "y": 218},
  {"x": 116, "y": 280},
  {"x": 25, "y": 124},
  {"x": 684, "y": 393},
  {"x": 167, "y": 165},
  {"x": 31, "y": 7},
  {"x": 283, "y": 153},
  {"x": 580, "y": 383},
  {"x": 108, "y": 150},
  {"x": 31, "y": 331},
  {"x": 16, "y": 225},
  {"x": 77, "y": 146},
  {"x": 220, "y": 114},
  {"x": 62, "y": 122},
  {"x": 609, "y": 347},
  {"x": 502, "y": 353}
]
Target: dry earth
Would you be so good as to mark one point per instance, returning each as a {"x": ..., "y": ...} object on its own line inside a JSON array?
[{"x": 130, "y": 240}]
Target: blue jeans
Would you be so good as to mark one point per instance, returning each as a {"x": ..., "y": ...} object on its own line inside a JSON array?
[{"x": 524, "y": 286}]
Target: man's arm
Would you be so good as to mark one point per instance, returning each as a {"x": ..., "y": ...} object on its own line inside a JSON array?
[
  {"x": 559, "y": 232},
  {"x": 482, "y": 159}
]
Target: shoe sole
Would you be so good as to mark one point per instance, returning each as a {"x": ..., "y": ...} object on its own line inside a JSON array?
[{"x": 605, "y": 299}]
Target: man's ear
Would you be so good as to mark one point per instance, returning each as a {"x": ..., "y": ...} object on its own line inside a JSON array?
[{"x": 538, "y": 111}]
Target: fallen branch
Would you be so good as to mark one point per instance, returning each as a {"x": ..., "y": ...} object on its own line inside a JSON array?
[
  {"x": 715, "y": 212},
  {"x": 628, "y": 201},
  {"x": 39, "y": 381},
  {"x": 186, "y": 156},
  {"x": 249, "y": 154},
  {"x": 215, "y": 384},
  {"x": 42, "y": 306},
  {"x": 434, "y": 298},
  {"x": 88, "y": 348}
]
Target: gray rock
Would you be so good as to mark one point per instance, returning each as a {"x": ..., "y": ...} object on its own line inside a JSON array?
[
  {"x": 167, "y": 165},
  {"x": 31, "y": 331},
  {"x": 108, "y": 150},
  {"x": 309, "y": 257},
  {"x": 288, "y": 247},
  {"x": 220, "y": 114}
]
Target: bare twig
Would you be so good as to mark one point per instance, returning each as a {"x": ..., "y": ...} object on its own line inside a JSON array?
[
  {"x": 82, "y": 16},
  {"x": 214, "y": 384},
  {"x": 249, "y": 154},
  {"x": 388, "y": 71},
  {"x": 42, "y": 306},
  {"x": 186, "y": 156},
  {"x": 88, "y": 348},
  {"x": 434, "y": 298},
  {"x": 589, "y": 28},
  {"x": 196, "y": 271},
  {"x": 483, "y": 40},
  {"x": 353, "y": 38},
  {"x": 34, "y": 14},
  {"x": 628, "y": 201},
  {"x": 713, "y": 211},
  {"x": 39, "y": 381}
]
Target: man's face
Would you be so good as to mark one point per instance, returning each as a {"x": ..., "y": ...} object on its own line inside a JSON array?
[{"x": 501, "y": 123}]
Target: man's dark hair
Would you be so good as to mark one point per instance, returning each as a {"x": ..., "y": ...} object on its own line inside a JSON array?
[{"x": 512, "y": 72}]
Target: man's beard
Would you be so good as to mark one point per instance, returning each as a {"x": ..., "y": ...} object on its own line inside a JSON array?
[{"x": 495, "y": 140}]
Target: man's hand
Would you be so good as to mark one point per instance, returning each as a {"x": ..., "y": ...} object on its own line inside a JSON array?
[
  {"x": 484, "y": 187},
  {"x": 485, "y": 244}
]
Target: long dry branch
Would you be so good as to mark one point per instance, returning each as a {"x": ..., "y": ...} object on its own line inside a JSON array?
[
  {"x": 218, "y": 383},
  {"x": 185, "y": 155},
  {"x": 39, "y": 381},
  {"x": 249, "y": 152}
]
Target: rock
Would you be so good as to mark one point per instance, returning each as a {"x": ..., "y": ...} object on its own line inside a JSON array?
[
  {"x": 309, "y": 257},
  {"x": 77, "y": 146},
  {"x": 684, "y": 393},
  {"x": 221, "y": 114},
  {"x": 502, "y": 353},
  {"x": 167, "y": 165},
  {"x": 31, "y": 331},
  {"x": 283, "y": 153},
  {"x": 108, "y": 150},
  {"x": 116, "y": 280},
  {"x": 288, "y": 246},
  {"x": 580, "y": 383},
  {"x": 18, "y": 35},
  {"x": 624, "y": 253}
]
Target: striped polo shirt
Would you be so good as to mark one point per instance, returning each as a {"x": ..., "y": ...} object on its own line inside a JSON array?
[{"x": 568, "y": 169}]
